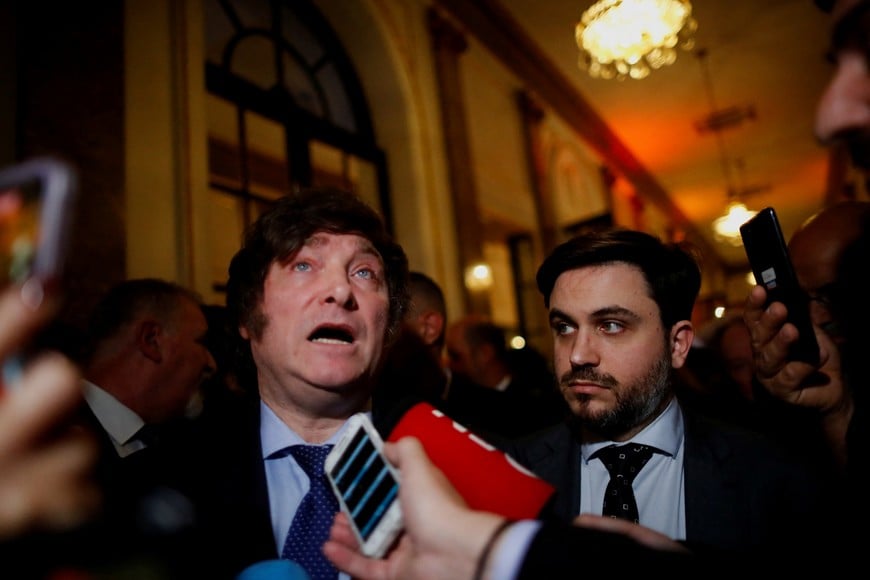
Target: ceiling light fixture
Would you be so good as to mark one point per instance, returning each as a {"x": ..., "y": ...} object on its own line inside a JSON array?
[
  {"x": 727, "y": 227},
  {"x": 629, "y": 38}
]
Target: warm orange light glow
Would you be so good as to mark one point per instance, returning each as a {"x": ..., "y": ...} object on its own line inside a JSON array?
[
  {"x": 727, "y": 227},
  {"x": 478, "y": 276}
]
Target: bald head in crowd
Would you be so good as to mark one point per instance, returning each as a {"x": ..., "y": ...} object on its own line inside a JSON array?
[
  {"x": 427, "y": 314},
  {"x": 816, "y": 248}
]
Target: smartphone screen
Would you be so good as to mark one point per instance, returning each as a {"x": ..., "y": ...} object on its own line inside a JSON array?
[
  {"x": 36, "y": 199},
  {"x": 20, "y": 207},
  {"x": 768, "y": 255},
  {"x": 366, "y": 486},
  {"x": 35, "y": 216}
]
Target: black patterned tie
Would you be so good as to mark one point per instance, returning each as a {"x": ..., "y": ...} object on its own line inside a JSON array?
[
  {"x": 310, "y": 527},
  {"x": 623, "y": 463}
]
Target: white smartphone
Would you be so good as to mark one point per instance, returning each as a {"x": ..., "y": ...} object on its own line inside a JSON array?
[
  {"x": 36, "y": 206},
  {"x": 366, "y": 485}
]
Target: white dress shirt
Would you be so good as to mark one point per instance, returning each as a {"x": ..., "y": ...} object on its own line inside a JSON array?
[
  {"x": 286, "y": 481},
  {"x": 659, "y": 487}
]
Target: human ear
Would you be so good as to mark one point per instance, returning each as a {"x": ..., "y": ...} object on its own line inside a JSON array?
[
  {"x": 149, "y": 334},
  {"x": 431, "y": 326},
  {"x": 681, "y": 337}
]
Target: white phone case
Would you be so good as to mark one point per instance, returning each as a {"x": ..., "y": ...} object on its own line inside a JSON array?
[{"x": 366, "y": 485}]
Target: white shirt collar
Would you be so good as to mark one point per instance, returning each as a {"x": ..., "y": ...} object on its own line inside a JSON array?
[
  {"x": 275, "y": 435},
  {"x": 665, "y": 434},
  {"x": 118, "y": 420}
]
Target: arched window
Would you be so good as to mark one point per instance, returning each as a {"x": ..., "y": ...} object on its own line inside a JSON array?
[{"x": 285, "y": 109}]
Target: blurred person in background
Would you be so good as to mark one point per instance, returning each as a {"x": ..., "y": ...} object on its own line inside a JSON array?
[
  {"x": 817, "y": 249},
  {"x": 145, "y": 362},
  {"x": 412, "y": 370},
  {"x": 495, "y": 391}
]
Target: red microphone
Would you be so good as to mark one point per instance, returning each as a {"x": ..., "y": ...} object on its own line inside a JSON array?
[{"x": 487, "y": 478}]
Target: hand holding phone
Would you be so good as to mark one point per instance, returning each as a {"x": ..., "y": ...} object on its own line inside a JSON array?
[
  {"x": 768, "y": 255},
  {"x": 366, "y": 485}
]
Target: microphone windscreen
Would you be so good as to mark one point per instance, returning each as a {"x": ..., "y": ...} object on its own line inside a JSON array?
[
  {"x": 274, "y": 570},
  {"x": 487, "y": 478}
]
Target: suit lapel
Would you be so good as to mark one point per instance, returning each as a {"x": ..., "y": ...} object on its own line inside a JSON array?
[{"x": 553, "y": 455}]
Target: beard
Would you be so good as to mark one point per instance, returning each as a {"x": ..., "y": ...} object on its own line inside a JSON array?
[{"x": 636, "y": 401}]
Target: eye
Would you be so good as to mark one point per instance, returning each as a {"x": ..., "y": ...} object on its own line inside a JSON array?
[
  {"x": 300, "y": 266},
  {"x": 561, "y": 328},
  {"x": 367, "y": 274},
  {"x": 611, "y": 327}
]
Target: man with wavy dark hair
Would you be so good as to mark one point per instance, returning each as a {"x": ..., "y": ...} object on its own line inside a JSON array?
[{"x": 317, "y": 292}]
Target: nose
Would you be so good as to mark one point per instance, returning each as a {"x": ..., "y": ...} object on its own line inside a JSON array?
[
  {"x": 845, "y": 105},
  {"x": 583, "y": 351},
  {"x": 339, "y": 290},
  {"x": 210, "y": 363}
]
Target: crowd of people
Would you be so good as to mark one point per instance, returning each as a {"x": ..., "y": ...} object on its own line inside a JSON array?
[{"x": 188, "y": 440}]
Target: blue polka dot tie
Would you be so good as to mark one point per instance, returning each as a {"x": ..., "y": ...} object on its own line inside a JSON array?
[
  {"x": 623, "y": 463},
  {"x": 310, "y": 527}
]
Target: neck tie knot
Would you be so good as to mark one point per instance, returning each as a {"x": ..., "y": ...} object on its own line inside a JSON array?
[
  {"x": 623, "y": 462},
  {"x": 310, "y": 458},
  {"x": 310, "y": 527}
]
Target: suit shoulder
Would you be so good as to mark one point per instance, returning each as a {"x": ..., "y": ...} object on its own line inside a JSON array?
[{"x": 534, "y": 446}]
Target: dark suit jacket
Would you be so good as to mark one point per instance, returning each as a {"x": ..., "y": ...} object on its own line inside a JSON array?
[
  {"x": 211, "y": 477},
  {"x": 741, "y": 491},
  {"x": 133, "y": 474},
  {"x": 143, "y": 524},
  {"x": 563, "y": 551},
  {"x": 220, "y": 468}
]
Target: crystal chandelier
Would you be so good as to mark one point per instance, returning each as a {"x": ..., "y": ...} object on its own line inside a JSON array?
[{"x": 629, "y": 38}]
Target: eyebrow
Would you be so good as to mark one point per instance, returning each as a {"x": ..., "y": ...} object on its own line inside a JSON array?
[
  {"x": 600, "y": 313},
  {"x": 320, "y": 238},
  {"x": 367, "y": 249}
]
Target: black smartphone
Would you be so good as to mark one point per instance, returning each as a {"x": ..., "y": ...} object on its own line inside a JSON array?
[
  {"x": 366, "y": 485},
  {"x": 36, "y": 206},
  {"x": 768, "y": 256}
]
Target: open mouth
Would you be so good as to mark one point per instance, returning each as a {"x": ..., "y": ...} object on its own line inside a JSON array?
[{"x": 329, "y": 334}]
